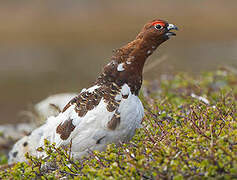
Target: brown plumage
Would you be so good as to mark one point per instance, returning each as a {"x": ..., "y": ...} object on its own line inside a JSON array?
[
  {"x": 132, "y": 56},
  {"x": 65, "y": 129}
]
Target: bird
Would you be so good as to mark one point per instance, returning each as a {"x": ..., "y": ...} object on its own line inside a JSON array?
[{"x": 109, "y": 111}]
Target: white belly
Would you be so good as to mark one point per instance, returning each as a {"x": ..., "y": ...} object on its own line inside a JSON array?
[{"x": 132, "y": 112}]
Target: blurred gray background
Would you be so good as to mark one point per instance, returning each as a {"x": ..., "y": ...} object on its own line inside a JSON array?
[{"x": 56, "y": 46}]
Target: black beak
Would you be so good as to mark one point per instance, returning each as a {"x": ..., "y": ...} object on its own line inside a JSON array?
[{"x": 171, "y": 27}]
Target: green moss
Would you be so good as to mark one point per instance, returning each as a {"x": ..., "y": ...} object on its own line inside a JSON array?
[
  {"x": 182, "y": 137},
  {"x": 3, "y": 159}
]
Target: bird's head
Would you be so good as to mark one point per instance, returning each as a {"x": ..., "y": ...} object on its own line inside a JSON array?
[
  {"x": 127, "y": 63},
  {"x": 157, "y": 31}
]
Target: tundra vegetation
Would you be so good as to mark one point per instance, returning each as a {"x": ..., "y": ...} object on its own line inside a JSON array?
[{"x": 189, "y": 132}]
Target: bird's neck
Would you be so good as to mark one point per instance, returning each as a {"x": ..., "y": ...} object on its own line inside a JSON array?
[{"x": 127, "y": 64}]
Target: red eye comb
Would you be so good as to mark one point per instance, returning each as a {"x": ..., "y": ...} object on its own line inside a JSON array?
[{"x": 162, "y": 23}]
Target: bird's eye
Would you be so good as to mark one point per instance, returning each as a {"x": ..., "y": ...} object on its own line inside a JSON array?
[{"x": 158, "y": 26}]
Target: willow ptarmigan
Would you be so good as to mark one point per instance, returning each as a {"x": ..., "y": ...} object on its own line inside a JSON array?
[{"x": 107, "y": 112}]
